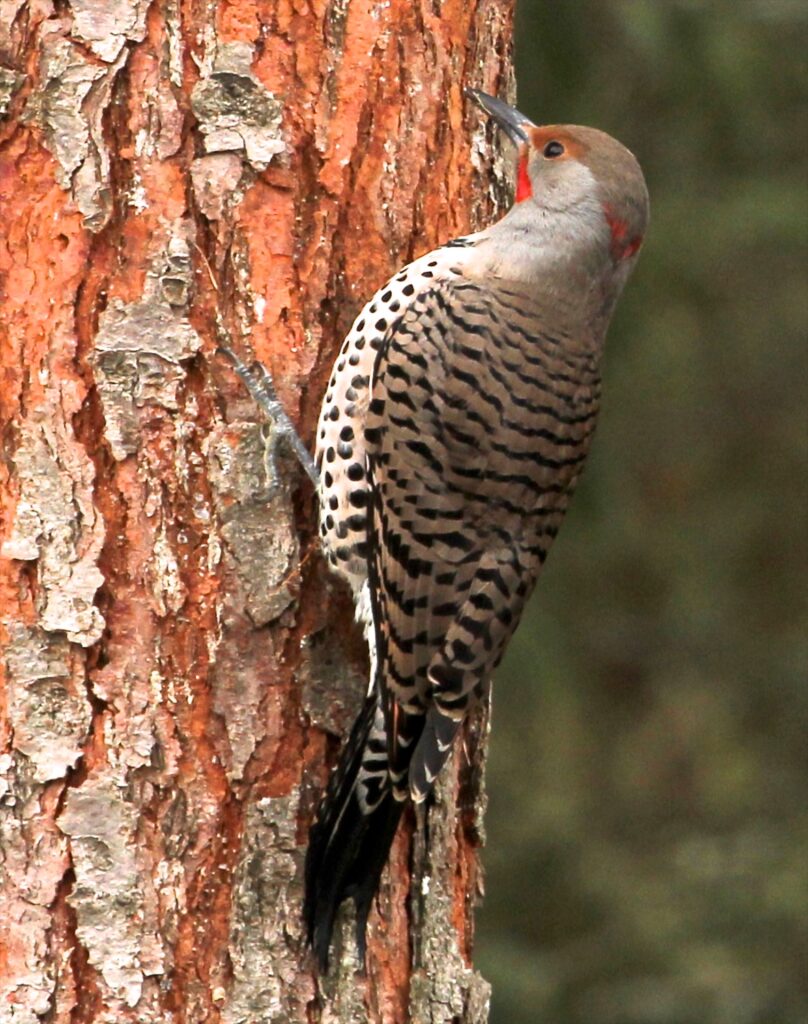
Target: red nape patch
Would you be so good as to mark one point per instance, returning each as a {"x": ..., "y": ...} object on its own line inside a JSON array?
[
  {"x": 622, "y": 246},
  {"x": 524, "y": 190}
]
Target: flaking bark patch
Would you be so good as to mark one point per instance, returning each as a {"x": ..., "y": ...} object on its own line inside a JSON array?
[
  {"x": 120, "y": 936},
  {"x": 49, "y": 720},
  {"x": 70, "y": 108},
  {"x": 332, "y": 690},
  {"x": 216, "y": 179},
  {"x": 266, "y": 932},
  {"x": 259, "y": 557},
  {"x": 57, "y": 525},
  {"x": 10, "y": 82},
  {"x": 256, "y": 516},
  {"x": 139, "y": 351},
  {"x": 107, "y": 25},
  {"x": 34, "y": 859},
  {"x": 236, "y": 113},
  {"x": 443, "y": 988}
]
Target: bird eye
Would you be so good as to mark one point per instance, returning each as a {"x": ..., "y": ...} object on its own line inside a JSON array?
[{"x": 553, "y": 149}]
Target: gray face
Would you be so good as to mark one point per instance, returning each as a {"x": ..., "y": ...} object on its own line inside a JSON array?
[{"x": 573, "y": 168}]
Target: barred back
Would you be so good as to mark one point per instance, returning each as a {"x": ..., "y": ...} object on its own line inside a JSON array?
[{"x": 476, "y": 434}]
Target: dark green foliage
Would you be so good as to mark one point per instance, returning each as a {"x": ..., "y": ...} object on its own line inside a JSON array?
[{"x": 648, "y": 824}]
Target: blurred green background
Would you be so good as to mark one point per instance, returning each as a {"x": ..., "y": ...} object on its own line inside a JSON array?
[{"x": 647, "y": 859}]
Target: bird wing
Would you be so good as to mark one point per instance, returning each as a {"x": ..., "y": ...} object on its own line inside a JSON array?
[{"x": 476, "y": 433}]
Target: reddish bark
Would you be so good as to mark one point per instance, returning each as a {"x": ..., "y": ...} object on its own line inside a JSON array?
[{"x": 177, "y": 663}]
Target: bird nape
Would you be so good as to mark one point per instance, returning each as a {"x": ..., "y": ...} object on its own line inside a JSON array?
[{"x": 453, "y": 432}]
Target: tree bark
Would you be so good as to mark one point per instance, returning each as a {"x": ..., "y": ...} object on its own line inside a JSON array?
[{"x": 178, "y": 665}]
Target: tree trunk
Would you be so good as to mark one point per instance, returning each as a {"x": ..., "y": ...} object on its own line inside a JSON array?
[{"x": 178, "y": 663}]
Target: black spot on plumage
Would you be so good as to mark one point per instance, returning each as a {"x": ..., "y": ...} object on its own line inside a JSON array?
[
  {"x": 345, "y": 450},
  {"x": 330, "y": 455},
  {"x": 333, "y": 414},
  {"x": 381, "y": 325},
  {"x": 448, "y": 677},
  {"x": 408, "y": 289},
  {"x": 461, "y": 652},
  {"x": 387, "y": 296},
  {"x": 422, "y": 449},
  {"x": 358, "y": 498},
  {"x": 456, "y": 539},
  {"x": 356, "y": 472},
  {"x": 328, "y": 480},
  {"x": 505, "y": 616},
  {"x": 397, "y": 372},
  {"x": 346, "y": 434},
  {"x": 417, "y": 567},
  {"x": 482, "y": 602},
  {"x": 333, "y": 503},
  {"x": 474, "y": 627}
]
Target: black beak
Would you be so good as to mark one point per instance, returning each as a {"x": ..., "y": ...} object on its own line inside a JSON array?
[{"x": 508, "y": 118}]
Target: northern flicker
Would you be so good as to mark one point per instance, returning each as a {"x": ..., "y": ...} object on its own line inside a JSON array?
[{"x": 453, "y": 432}]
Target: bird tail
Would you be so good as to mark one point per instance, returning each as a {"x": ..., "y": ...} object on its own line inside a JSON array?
[{"x": 352, "y": 833}]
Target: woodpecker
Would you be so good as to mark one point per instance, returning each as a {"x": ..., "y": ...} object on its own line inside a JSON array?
[{"x": 453, "y": 432}]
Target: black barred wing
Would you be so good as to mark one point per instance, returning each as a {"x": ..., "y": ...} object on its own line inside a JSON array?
[{"x": 477, "y": 430}]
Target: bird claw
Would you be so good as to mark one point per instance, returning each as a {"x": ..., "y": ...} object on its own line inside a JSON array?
[{"x": 259, "y": 383}]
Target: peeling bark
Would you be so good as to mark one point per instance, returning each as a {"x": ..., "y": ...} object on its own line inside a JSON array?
[{"x": 177, "y": 665}]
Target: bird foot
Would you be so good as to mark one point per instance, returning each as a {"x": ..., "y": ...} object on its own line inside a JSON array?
[{"x": 259, "y": 383}]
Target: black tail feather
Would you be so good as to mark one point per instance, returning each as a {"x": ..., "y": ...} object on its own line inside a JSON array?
[{"x": 348, "y": 847}]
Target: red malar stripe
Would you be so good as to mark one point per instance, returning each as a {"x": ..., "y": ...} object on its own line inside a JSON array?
[{"x": 524, "y": 190}]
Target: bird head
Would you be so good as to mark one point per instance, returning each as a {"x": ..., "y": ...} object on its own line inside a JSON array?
[{"x": 579, "y": 172}]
